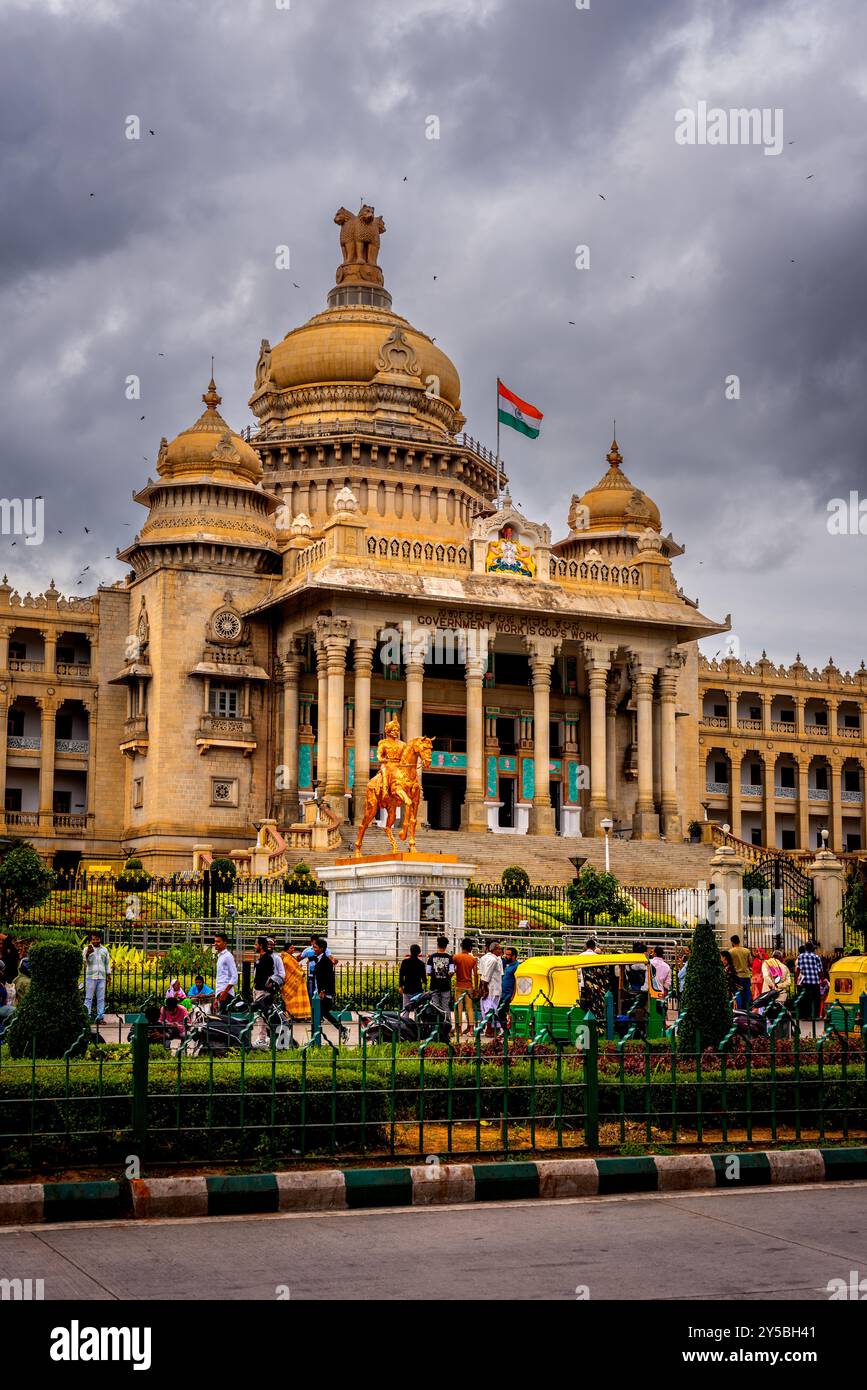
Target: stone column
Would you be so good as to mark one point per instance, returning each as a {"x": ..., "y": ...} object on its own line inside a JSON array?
[
  {"x": 542, "y": 652},
  {"x": 336, "y": 647},
  {"x": 863, "y": 821},
  {"x": 611, "y": 768},
  {"x": 725, "y": 909},
  {"x": 732, "y": 696},
  {"x": 414, "y": 671},
  {"x": 645, "y": 821},
  {"x": 288, "y": 788},
  {"x": 5, "y": 634},
  {"x": 50, "y": 658},
  {"x": 321, "y": 714},
  {"x": 597, "y": 664},
  {"x": 735, "y": 808},
  {"x": 365, "y": 647},
  {"x": 829, "y": 885},
  {"x": 474, "y": 815},
  {"x": 671, "y": 823},
  {"x": 46, "y": 762},
  {"x": 769, "y": 803},
  {"x": 836, "y": 822},
  {"x": 804, "y": 803},
  {"x": 800, "y": 705},
  {"x": 91, "y": 706},
  {"x": 767, "y": 701}
]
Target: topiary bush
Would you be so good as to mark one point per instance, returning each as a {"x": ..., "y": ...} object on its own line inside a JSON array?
[
  {"x": 52, "y": 1013},
  {"x": 706, "y": 1004},
  {"x": 223, "y": 873},
  {"x": 515, "y": 880},
  {"x": 596, "y": 898},
  {"x": 24, "y": 881},
  {"x": 301, "y": 879},
  {"x": 133, "y": 878}
]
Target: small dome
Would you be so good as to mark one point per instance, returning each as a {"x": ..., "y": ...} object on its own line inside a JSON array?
[
  {"x": 615, "y": 504},
  {"x": 210, "y": 449}
]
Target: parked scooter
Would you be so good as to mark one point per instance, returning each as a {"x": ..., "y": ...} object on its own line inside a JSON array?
[
  {"x": 418, "y": 1020},
  {"x": 219, "y": 1033},
  {"x": 764, "y": 1011}
]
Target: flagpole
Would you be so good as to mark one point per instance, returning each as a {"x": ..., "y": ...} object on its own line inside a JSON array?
[{"x": 498, "y": 442}]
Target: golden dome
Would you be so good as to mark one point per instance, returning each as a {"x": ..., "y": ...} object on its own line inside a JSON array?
[
  {"x": 616, "y": 504},
  {"x": 210, "y": 449},
  {"x": 344, "y": 346}
]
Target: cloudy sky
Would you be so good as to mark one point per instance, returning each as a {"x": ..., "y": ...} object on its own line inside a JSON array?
[{"x": 122, "y": 257}]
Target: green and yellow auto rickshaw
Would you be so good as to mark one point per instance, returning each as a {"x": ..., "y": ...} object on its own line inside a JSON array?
[
  {"x": 844, "y": 1011},
  {"x": 557, "y": 992}
]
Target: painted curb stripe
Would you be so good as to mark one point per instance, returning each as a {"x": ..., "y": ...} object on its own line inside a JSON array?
[
  {"x": 169, "y": 1197},
  {"x": 441, "y": 1184},
  {"x": 684, "y": 1172},
  {"x": 627, "y": 1175},
  {"x": 751, "y": 1170},
  {"x": 22, "y": 1204},
  {"x": 87, "y": 1201},
  {"x": 378, "y": 1187},
  {"x": 841, "y": 1165},
  {"x": 499, "y": 1182},
  {"x": 240, "y": 1196}
]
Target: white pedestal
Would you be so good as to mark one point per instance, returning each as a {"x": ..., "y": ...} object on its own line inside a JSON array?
[
  {"x": 570, "y": 821},
  {"x": 378, "y": 907},
  {"x": 522, "y": 818}
]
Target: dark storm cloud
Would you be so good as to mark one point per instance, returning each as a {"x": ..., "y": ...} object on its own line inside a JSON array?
[{"x": 266, "y": 121}]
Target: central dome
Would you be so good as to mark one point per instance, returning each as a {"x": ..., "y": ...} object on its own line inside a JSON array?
[
  {"x": 345, "y": 345},
  {"x": 615, "y": 503},
  {"x": 358, "y": 360}
]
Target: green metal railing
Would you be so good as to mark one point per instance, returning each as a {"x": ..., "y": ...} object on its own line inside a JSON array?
[{"x": 96, "y": 1106}]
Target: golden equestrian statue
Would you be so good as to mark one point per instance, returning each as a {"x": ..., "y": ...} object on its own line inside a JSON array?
[{"x": 395, "y": 784}]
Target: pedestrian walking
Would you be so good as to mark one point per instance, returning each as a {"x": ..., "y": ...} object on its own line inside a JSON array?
[
  {"x": 97, "y": 973},
  {"x": 412, "y": 975},
  {"x": 466, "y": 986},
  {"x": 809, "y": 973},
  {"x": 227, "y": 972},
  {"x": 326, "y": 988},
  {"x": 440, "y": 968},
  {"x": 743, "y": 971},
  {"x": 775, "y": 976},
  {"x": 509, "y": 984},
  {"x": 490, "y": 984},
  {"x": 296, "y": 995}
]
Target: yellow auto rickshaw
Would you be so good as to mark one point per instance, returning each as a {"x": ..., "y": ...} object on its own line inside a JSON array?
[
  {"x": 557, "y": 992},
  {"x": 848, "y": 982}
]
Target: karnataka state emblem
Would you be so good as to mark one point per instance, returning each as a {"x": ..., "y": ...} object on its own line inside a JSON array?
[{"x": 507, "y": 555}]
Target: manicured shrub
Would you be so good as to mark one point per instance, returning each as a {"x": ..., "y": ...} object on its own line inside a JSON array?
[
  {"x": 708, "y": 1015},
  {"x": 223, "y": 873},
  {"x": 52, "y": 1013},
  {"x": 515, "y": 880},
  {"x": 596, "y": 896},
  {"x": 134, "y": 878},
  {"x": 25, "y": 882}
]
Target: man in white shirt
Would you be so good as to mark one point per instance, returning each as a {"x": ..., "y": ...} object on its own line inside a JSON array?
[
  {"x": 227, "y": 972},
  {"x": 279, "y": 967},
  {"x": 97, "y": 973},
  {"x": 491, "y": 977},
  {"x": 661, "y": 969}
]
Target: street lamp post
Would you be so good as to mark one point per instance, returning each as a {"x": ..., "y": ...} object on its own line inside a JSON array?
[{"x": 607, "y": 826}]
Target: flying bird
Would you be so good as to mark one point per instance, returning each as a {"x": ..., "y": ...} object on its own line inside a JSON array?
[
  {"x": 572, "y": 321},
  {"x": 405, "y": 178},
  {"x": 811, "y": 176},
  {"x": 294, "y": 286},
  {"x": 150, "y": 132},
  {"x": 602, "y": 196},
  {"x": 142, "y": 417},
  {"x": 87, "y": 530},
  {"x": 160, "y": 354}
]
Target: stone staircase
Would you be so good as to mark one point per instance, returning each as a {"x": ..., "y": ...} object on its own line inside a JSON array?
[{"x": 641, "y": 863}]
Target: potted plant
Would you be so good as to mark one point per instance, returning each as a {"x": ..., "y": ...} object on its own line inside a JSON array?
[{"x": 694, "y": 830}]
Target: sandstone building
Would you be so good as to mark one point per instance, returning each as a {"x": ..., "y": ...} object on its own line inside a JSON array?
[{"x": 355, "y": 555}]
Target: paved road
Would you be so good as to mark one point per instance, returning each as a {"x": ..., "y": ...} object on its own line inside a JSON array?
[{"x": 777, "y": 1244}]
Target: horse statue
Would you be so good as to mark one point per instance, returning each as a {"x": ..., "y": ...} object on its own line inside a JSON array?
[{"x": 402, "y": 788}]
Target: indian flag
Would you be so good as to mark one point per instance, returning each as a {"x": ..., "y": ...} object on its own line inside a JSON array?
[{"x": 522, "y": 416}]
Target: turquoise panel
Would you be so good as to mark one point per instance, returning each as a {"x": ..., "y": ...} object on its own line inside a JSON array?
[
  {"x": 491, "y": 783},
  {"x": 528, "y": 779},
  {"x": 457, "y": 761},
  {"x": 305, "y": 766},
  {"x": 573, "y": 780},
  {"x": 508, "y": 764},
  {"x": 350, "y": 781}
]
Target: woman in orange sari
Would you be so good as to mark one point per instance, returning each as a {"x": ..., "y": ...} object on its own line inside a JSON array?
[{"x": 296, "y": 998}]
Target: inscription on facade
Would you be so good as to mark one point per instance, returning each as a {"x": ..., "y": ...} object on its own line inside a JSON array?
[{"x": 458, "y": 618}]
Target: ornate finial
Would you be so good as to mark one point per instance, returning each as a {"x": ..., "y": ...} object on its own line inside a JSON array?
[
  {"x": 211, "y": 397},
  {"x": 764, "y": 655},
  {"x": 614, "y": 456}
]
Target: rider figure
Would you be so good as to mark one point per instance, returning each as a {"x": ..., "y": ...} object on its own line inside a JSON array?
[{"x": 389, "y": 752}]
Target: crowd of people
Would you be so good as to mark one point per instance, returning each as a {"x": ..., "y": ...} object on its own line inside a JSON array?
[{"x": 465, "y": 986}]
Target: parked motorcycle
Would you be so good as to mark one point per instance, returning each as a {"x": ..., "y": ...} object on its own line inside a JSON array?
[
  {"x": 219, "y": 1033},
  {"x": 764, "y": 1011},
  {"x": 417, "y": 1021}
]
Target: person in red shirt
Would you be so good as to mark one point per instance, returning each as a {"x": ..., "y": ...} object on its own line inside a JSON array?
[{"x": 466, "y": 986}]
